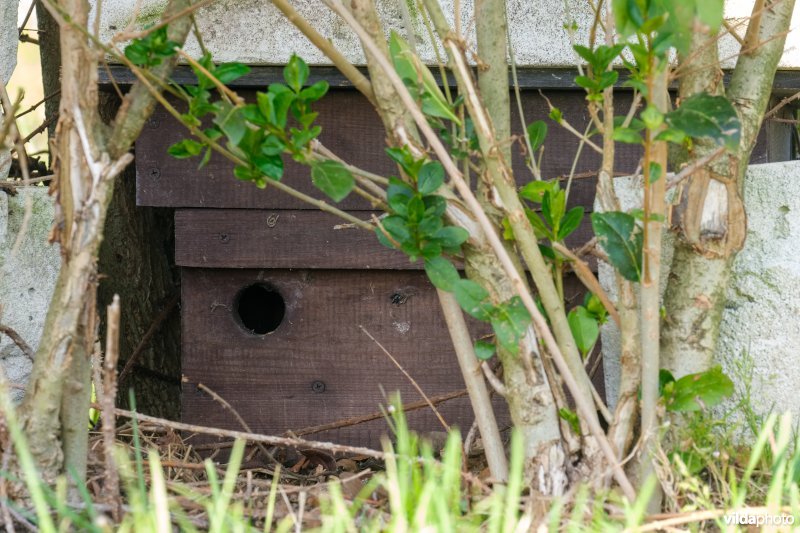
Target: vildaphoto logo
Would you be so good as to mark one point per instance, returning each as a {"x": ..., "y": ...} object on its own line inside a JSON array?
[{"x": 758, "y": 519}]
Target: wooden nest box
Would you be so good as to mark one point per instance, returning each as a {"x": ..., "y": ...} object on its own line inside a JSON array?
[{"x": 275, "y": 293}]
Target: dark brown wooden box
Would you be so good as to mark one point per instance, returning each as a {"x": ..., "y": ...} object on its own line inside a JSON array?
[{"x": 317, "y": 365}]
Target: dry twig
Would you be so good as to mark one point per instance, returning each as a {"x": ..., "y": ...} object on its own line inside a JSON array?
[
  {"x": 18, "y": 340},
  {"x": 109, "y": 394},
  {"x": 411, "y": 379}
]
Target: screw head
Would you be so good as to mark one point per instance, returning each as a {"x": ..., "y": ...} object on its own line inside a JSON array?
[
  {"x": 318, "y": 387},
  {"x": 224, "y": 237},
  {"x": 155, "y": 173}
]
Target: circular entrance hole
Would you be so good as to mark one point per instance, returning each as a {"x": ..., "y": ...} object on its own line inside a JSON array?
[{"x": 260, "y": 308}]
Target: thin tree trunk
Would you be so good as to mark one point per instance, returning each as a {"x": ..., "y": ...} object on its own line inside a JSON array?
[
  {"x": 654, "y": 211},
  {"x": 707, "y": 244},
  {"x": 57, "y": 401},
  {"x": 529, "y": 394},
  {"x": 400, "y": 130}
]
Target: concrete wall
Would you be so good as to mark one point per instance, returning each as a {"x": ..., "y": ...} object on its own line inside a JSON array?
[
  {"x": 27, "y": 278},
  {"x": 760, "y": 331},
  {"x": 8, "y": 60},
  {"x": 255, "y": 32}
]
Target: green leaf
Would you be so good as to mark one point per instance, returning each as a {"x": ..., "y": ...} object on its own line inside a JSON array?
[
  {"x": 605, "y": 55},
  {"x": 695, "y": 392},
  {"x": 518, "y": 314},
  {"x": 137, "y": 53},
  {"x": 472, "y": 298},
  {"x": 332, "y": 178},
  {"x": 510, "y": 321},
  {"x": 595, "y": 307},
  {"x": 655, "y": 172},
  {"x": 301, "y": 138},
  {"x": 586, "y": 53},
  {"x": 710, "y": 13},
  {"x": 272, "y": 145},
  {"x": 185, "y": 148},
  {"x": 553, "y": 205},
  {"x": 584, "y": 329},
  {"x": 246, "y": 173},
  {"x": 570, "y": 222},
  {"x": 556, "y": 115},
  {"x": 506, "y": 337},
  {"x": 431, "y": 249},
  {"x": 571, "y": 417},
  {"x": 651, "y": 117},
  {"x": 434, "y": 205},
  {"x": 539, "y": 227},
  {"x": 587, "y": 83},
  {"x": 228, "y": 72},
  {"x": 413, "y": 71},
  {"x": 281, "y": 102},
  {"x": 627, "y": 15},
  {"x": 537, "y": 131},
  {"x": 266, "y": 106},
  {"x": 508, "y": 232},
  {"x": 150, "y": 50},
  {"x": 270, "y": 165},
  {"x": 253, "y": 114},
  {"x": 484, "y": 350},
  {"x": 315, "y": 92},
  {"x": 534, "y": 191},
  {"x": 704, "y": 115},
  {"x": 397, "y": 227},
  {"x": 451, "y": 237},
  {"x": 607, "y": 79},
  {"x": 206, "y": 158},
  {"x": 442, "y": 273},
  {"x": 430, "y": 178},
  {"x": 296, "y": 73},
  {"x": 627, "y": 135},
  {"x": 665, "y": 377},
  {"x": 671, "y": 135},
  {"x": 621, "y": 239},
  {"x": 231, "y": 122},
  {"x": 678, "y": 27},
  {"x": 436, "y": 107},
  {"x": 429, "y": 225}
]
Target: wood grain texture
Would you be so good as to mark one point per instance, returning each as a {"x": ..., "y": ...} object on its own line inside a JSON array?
[
  {"x": 352, "y": 130},
  {"x": 270, "y": 379},
  {"x": 255, "y": 238}
]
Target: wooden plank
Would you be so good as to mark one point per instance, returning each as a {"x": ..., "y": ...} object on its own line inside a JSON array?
[
  {"x": 317, "y": 366},
  {"x": 352, "y": 130},
  {"x": 253, "y": 238},
  {"x": 165, "y": 181},
  {"x": 260, "y": 76},
  {"x": 249, "y": 238}
]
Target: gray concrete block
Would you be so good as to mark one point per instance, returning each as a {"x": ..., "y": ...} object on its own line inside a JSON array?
[
  {"x": 760, "y": 329},
  {"x": 255, "y": 32},
  {"x": 27, "y": 278},
  {"x": 761, "y": 322}
]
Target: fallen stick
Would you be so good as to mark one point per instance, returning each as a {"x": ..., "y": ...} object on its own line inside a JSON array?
[
  {"x": 353, "y": 421},
  {"x": 288, "y": 442}
]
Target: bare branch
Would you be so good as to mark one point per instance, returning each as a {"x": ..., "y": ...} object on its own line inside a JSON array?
[
  {"x": 586, "y": 408},
  {"x": 18, "y": 340}
]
